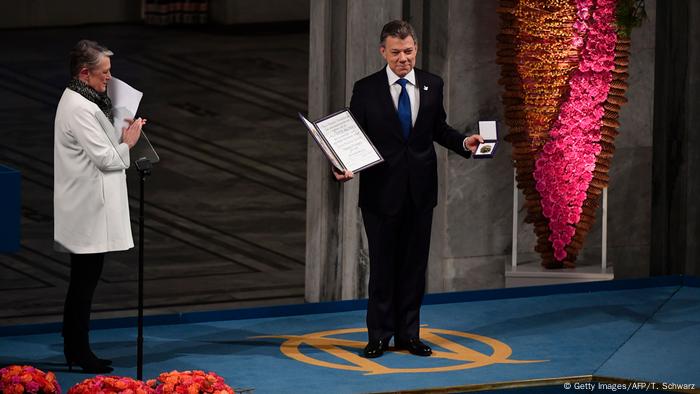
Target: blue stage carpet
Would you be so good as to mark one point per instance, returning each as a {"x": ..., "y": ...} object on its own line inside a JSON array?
[{"x": 645, "y": 334}]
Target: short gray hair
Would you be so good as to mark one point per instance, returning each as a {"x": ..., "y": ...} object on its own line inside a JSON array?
[
  {"x": 88, "y": 54},
  {"x": 399, "y": 29}
]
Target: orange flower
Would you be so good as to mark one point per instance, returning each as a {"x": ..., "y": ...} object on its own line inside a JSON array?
[
  {"x": 19, "y": 379},
  {"x": 190, "y": 382}
]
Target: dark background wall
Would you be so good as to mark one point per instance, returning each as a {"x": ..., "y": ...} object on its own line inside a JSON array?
[
  {"x": 44, "y": 13},
  {"x": 676, "y": 174}
]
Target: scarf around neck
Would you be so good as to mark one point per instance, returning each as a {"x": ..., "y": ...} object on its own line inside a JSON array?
[{"x": 101, "y": 99}]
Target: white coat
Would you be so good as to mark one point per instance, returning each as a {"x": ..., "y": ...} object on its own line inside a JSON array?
[{"x": 91, "y": 204}]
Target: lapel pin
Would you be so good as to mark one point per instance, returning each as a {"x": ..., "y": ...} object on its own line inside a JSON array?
[{"x": 425, "y": 88}]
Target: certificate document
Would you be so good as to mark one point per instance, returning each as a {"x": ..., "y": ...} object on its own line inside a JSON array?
[{"x": 343, "y": 141}]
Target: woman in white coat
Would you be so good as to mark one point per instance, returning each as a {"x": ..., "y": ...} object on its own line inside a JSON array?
[{"x": 91, "y": 205}]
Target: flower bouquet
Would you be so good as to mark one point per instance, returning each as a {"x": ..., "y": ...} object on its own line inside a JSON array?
[
  {"x": 190, "y": 382},
  {"x": 111, "y": 385},
  {"x": 16, "y": 379}
]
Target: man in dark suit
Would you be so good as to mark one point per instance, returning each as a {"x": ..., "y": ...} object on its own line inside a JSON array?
[{"x": 401, "y": 110}]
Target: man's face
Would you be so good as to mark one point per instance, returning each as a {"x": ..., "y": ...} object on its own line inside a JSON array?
[
  {"x": 400, "y": 54},
  {"x": 97, "y": 77}
]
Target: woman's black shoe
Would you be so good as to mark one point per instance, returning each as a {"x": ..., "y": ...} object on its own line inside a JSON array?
[
  {"x": 92, "y": 365},
  {"x": 85, "y": 360},
  {"x": 104, "y": 361}
]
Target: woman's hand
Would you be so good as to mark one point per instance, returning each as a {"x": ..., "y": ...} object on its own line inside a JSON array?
[{"x": 132, "y": 133}]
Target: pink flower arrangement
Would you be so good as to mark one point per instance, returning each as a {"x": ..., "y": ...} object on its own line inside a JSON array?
[
  {"x": 564, "y": 169},
  {"x": 189, "y": 382},
  {"x": 16, "y": 379},
  {"x": 111, "y": 385}
]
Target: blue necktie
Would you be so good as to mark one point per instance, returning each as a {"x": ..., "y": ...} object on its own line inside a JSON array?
[{"x": 404, "y": 108}]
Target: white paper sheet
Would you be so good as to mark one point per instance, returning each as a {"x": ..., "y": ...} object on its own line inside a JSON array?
[{"x": 125, "y": 101}]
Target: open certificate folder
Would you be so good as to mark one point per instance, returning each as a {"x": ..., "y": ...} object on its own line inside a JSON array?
[{"x": 343, "y": 142}]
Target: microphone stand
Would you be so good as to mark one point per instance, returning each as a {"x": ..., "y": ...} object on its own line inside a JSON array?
[{"x": 144, "y": 167}]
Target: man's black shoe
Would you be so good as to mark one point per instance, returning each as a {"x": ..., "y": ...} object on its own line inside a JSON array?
[
  {"x": 375, "y": 349},
  {"x": 415, "y": 346}
]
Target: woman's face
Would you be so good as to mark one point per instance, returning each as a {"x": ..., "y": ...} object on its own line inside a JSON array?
[{"x": 97, "y": 77}]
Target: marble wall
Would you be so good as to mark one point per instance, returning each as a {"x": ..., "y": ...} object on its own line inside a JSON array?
[
  {"x": 472, "y": 229},
  {"x": 629, "y": 222}
]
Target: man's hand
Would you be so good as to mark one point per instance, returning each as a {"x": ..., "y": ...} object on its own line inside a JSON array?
[
  {"x": 342, "y": 176},
  {"x": 472, "y": 142},
  {"x": 132, "y": 133}
]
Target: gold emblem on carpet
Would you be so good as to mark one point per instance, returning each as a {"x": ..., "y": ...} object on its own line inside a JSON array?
[{"x": 448, "y": 345}]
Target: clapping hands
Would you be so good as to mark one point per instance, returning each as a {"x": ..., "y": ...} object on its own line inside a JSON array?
[{"x": 131, "y": 133}]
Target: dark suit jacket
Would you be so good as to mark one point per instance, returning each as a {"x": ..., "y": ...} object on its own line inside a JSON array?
[{"x": 410, "y": 166}]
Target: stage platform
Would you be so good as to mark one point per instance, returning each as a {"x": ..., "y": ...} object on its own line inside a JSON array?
[{"x": 534, "y": 339}]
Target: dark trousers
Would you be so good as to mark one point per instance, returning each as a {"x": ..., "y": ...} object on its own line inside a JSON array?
[
  {"x": 85, "y": 270},
  {"x": 398, "y": 253}
]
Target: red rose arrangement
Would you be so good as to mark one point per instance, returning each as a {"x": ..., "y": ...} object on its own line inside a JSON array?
[
  {"x": 190, "y": 382},
  {"x": 111, "y": 385},
  {"x": 564, "y": 168},
  {"x": 16, "y": 379}
]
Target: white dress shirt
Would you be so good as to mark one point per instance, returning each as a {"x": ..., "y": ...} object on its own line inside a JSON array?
[
  {"x": 411, "y": 89},
  {"x": 413, "y": 94}
]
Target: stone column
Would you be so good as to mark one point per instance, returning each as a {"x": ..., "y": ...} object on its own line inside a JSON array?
[
  {"x": 344, "y": 39},
  {"x": 629, "y": 241},
  {"x": 472, "y": 222}
]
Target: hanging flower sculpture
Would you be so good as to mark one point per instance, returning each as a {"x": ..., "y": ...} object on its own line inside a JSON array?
[
  {"x": 20, "y": 379},
  {"x": 564, "y": 67}
]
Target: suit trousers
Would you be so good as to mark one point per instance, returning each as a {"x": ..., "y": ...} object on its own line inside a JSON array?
[
  {"x": 85, "y": 271},
  {"x": 398, "y": 253}
]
